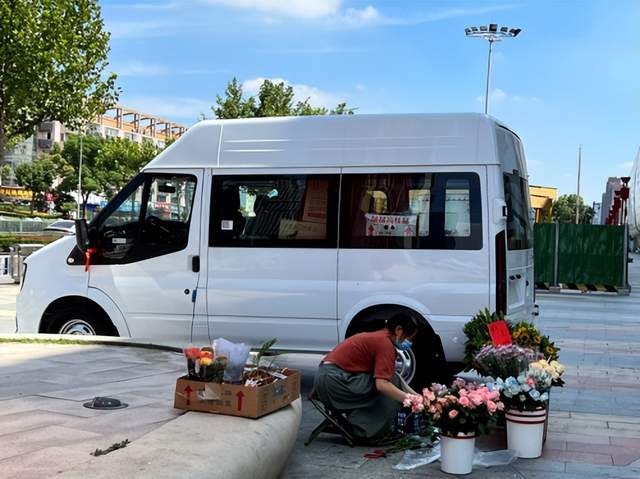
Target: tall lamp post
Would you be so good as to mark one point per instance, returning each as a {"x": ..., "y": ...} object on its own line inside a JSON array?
[{"x": 492, "y": 34}]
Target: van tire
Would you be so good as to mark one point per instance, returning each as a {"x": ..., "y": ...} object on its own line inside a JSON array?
[
  {"x": 83, "y": 318},
  {"x": 431, "y": 365}
]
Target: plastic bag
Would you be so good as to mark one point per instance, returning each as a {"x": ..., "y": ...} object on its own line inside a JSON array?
[
  {"x": 420, "y": 457},
  {"x": 236, "y": 354},
  {"x": 503, "y": 457}
]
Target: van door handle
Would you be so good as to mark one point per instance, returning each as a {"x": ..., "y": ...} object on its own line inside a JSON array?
[
  {"x": 518, "y": 276},
  {"x": 195, "y": 264}
]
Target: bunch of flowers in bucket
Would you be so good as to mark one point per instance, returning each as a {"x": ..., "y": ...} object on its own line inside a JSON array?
[
  {"x": 202, "y": 365},
  {"x": 460, "y": 412},
  {"x": 504, "y": 361},
  {"x": 526, "y": 398}
]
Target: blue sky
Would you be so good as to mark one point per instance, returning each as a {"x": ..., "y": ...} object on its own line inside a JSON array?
[{"x": 572, "y": 76}]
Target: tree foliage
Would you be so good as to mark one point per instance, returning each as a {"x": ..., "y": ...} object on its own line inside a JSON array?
[
  {"x": 564, "y": 210},
  {"x": 53, "y": 55},
  {"x": 107, "y": 164},
  {"x": 273, "y": 99},
  {"x": 36, "y": 176}
]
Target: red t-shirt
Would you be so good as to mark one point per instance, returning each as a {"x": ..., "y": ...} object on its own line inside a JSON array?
[{"x": 366, "y": 353}]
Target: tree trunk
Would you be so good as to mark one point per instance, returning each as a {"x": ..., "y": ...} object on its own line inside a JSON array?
[
  {"x": 2, "y": 133},
  {"x": 33, "y": 198},
  {"x": 85, "y": 200}
]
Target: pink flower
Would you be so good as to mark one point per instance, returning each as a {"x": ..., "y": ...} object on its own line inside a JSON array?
[
  {"x": 464, "y": 401},
  {"x": 428, "y": 394},
  {"x": 500, "y": 405},
  {"x": 491, "y": 407},
  {"x": 493, "y": 395},
  {"x": 452, "y": 414},
  {"x": 531, "y": 382},
  {"x": 476, "y": 398}
]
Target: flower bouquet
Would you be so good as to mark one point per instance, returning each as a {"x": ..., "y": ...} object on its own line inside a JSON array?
[
  {"x": 460, "y": 412},
  {"x": 504, "y": 361},
  {"x": 202, "y": 365}
]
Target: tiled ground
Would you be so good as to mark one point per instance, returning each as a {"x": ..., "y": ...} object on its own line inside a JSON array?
[
  {"x": 43, "y": 424},
  {"x": 594, "y": 427}
]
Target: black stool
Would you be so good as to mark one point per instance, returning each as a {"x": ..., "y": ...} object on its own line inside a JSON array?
[{"x": 331, "y": 423}]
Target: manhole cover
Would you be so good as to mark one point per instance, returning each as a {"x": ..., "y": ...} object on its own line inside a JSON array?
[{"x": 105, "y": 403}]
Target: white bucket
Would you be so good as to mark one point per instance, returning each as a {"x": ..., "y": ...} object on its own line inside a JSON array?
[
  {"x": 525, "y": 430},
  {"x": 456, "y": 453}
]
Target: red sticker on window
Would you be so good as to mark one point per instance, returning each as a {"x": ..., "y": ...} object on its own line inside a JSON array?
[{"x": 499, "y": 332}]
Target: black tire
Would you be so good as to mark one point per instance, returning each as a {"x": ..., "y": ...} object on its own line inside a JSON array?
[
  {"x": 430, "y": 363},
  {"x": 79, "y": 320}
]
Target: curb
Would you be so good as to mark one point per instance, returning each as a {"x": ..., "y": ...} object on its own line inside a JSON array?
[
  {"x": 77, "y": 339},
  {"x": 204, "y": 445}
]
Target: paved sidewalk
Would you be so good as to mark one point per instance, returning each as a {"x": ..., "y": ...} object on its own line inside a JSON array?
[
  {"x": 594, "y": 427},
  {"x": 44, "y": 428}
]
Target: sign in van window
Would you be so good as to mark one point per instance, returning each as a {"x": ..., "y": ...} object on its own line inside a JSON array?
[{"x": 411, "y": 211}]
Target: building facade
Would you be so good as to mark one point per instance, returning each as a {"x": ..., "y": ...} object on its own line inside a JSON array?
[
  {"x": 118, "y": 122},
  {"x": 542, "y": 199},
  {"x": 613, "y": 185}
]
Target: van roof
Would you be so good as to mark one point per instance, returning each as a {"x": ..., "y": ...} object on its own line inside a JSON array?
[{"x": 335, "y": 141}]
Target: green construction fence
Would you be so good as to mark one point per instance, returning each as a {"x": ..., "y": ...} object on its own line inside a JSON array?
[{"x": 581, "y": 256}]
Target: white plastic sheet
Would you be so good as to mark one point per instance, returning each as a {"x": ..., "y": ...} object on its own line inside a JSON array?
[{"x": 421, "y": 457}]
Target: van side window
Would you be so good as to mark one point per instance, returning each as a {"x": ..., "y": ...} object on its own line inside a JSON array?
[
  {"x": 421, "y": 211},
  {"x": 149, "y": 218},
  {"x": 274, "y": 211}
]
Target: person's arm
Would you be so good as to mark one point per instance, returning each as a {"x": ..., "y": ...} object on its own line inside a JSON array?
[{"x": 388, "y": 389}]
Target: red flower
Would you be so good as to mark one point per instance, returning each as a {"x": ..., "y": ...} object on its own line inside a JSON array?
[
  {"x": 192, "y": 353},
  {"x": 206, "y": 354}
]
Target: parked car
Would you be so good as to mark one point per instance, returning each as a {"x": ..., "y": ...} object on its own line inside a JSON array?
[
  {"x": 306, "y": 229},
  {"x": 64, "y": 226}
]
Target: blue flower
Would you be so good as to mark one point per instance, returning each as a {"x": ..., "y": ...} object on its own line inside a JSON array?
[{"x": 535, "y": 395}]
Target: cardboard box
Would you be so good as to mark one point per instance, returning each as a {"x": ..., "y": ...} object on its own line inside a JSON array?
[{"x": 235, "y": 399}]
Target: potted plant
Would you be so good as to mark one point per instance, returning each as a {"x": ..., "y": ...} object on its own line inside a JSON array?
[
  {"x": 460, "y": 412},
  {"x": 526, "y": 398}
]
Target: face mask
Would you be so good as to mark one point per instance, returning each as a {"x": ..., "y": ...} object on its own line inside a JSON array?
[{"x": 405, "y": 345}]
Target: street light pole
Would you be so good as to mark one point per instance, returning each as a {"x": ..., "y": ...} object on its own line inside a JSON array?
[
  {"x": 486, "y": 93},
  {"x": 578, "y": 189},
  {"x": 492, "y": 34},
  {"x": 80, "y": 174}
]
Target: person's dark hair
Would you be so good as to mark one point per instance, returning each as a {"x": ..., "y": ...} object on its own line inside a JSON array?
[{"x": 407, "y": 322}]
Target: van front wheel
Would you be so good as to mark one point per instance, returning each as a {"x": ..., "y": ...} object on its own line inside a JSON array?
[{"x": 79, "y": 320}]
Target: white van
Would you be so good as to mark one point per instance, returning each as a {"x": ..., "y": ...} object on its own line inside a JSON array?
[{"x": 306, "y": 229}]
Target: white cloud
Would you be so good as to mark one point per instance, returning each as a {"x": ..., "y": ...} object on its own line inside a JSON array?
[
  {"x": 316, "y": 96},
  {"x": 329, "y": 11},
  {"x": 295, "y": 9},
  {"x": 139, "y": 69},
  {"x": 142, "y": 69},
  {"x": 500, "y": 96},
  {"x": 360, "y": 87},
  {"x": 179, "y": 109}
]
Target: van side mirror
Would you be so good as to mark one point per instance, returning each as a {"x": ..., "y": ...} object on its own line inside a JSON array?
[{"x": 82, "y": 235}]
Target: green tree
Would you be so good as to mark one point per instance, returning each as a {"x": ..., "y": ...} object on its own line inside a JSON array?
[
  {"x": 67, "y": 161},
  {"x": 53, "y": 55},
  {"x": 119, "y": 160},
  {"x": 36, "y": 176},
  {"x": 564, "y": 210},
  {"x": 5, "y": 172},
  {"x": 274, "y": 99}
]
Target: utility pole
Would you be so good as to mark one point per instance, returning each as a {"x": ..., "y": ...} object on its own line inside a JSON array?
[
  {"x": 492, "y": 34},
  {"x": 578, "y": 194},
  {"x": 80, "y": 174}
]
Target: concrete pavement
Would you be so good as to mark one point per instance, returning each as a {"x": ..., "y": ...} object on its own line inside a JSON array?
[{"x": 46, "y": 431}]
